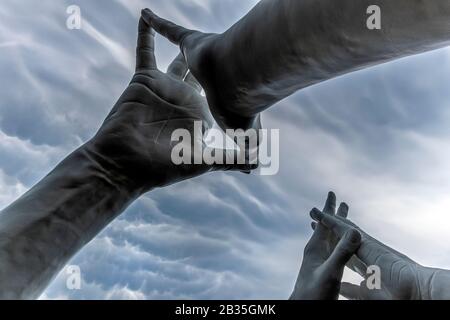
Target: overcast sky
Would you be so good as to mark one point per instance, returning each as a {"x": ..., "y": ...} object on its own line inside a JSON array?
[{"x": 380, "y": 138}]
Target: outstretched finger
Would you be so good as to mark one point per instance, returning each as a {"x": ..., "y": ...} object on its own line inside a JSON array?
[
  {"x": 330, "y": 204},
  {"x": 321, "y": 232},
  {"x": 343, "y": 210},
  {"x": 167, "y": 29},
  {"x": 178, "y": 68},
  {"x": 145, "y": 51}
]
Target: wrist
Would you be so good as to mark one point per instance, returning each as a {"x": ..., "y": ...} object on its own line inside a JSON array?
[{"x": 106, "y": 167}]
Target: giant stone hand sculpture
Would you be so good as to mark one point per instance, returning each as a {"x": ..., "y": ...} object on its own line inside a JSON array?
[{"x": 129, "y": 155}]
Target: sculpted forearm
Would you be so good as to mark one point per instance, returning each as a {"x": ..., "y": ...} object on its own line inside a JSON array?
[
  {"x": 284, "y": 45},
  {"x": 43, "y": 229}
]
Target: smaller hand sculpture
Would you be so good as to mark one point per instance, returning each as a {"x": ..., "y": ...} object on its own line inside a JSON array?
[
  {"x": 325, "y": 257},
  {"x": 401, "y": 277},
  {"x": 134, "y": 143}
]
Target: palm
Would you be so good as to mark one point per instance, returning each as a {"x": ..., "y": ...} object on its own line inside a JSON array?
[
  {"x": 152, "y": 107},
  {"x": 180, "y": 105}
]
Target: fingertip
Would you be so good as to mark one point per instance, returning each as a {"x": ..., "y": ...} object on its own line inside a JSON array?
[
  {"x": 146, "y": 11},
  {"x": 316, "y": 214},
  {"x": 145, "y": 50},
  {"x": 146, "y": 16},
  {"x": 343, "y": 210},
  {"x": 330, "y": 204}
]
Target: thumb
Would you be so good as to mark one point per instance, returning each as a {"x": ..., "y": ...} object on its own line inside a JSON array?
[{"x": 344, "y": 250}]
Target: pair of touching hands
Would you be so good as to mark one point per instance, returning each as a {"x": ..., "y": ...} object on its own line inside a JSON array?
[
  {"x": 134, "y": 142},
  {"x": 336, "y": 243}
]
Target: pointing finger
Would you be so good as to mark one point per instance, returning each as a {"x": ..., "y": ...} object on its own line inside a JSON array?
[
  {"x": 343, "y": 210},
  {"x": 145, "y": 51},
  {"x": 330, "y": 204}
]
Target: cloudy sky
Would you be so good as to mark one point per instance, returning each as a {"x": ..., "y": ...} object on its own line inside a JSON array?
[{"x": 380, "y": 138}]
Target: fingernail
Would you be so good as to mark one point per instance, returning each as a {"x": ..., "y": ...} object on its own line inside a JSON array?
[
  {"x": 147, "y": 13},
  {"x": 316, "y": 214},
  {"x": 146, "y": 17},
  {"x": 353, "y": 236}
]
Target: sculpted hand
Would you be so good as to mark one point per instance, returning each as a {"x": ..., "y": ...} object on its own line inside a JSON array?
[
  {"x": 130, "y": 154},
  {"x": 282, "y": 46},
  {"x": 401, "y": 277},
  {"x": 325, "y": 258},
  {"x": 217, "y": 75},
  {"x": 134, "y": 143}
]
